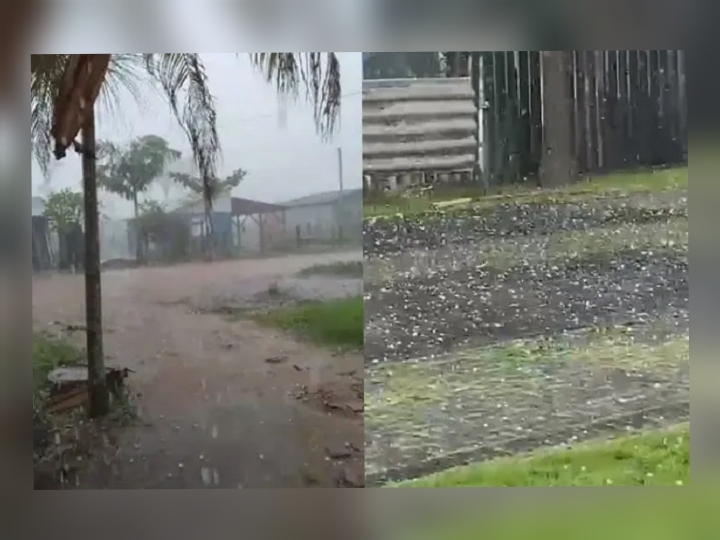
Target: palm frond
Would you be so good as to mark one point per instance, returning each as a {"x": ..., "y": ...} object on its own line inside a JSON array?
[
  {"x": 46, "y": 72},
  {"x": 78, "y": 89},
  {"x": 47, "y": 80},
  {"x": 317, "y": 73},
  {"x": 185, "y": 73}
]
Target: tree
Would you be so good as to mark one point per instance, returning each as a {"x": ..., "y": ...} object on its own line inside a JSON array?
[
  {"x": 130, "y": 171},
  {"x": 196, "y": 185},
  {"x": 64, "y": 209},
  {"x": 387, "y": 65},
  {"x": 64, "y": 89},
  {"x": 217, "y": 186},
  {"x": 400, "y": 65},
  {"x": 558, "y": 165},
  {"x": 456, "y": 63},
  {"x": 424, "y": 64}
]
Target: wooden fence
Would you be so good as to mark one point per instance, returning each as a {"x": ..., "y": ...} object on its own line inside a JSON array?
[{"x": 629, "y": 111}]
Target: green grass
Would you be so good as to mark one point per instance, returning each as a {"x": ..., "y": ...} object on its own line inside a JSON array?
[
  {"x": 636, "y": 182},
  {"x": 346, "y": 269},
  {"x": 333, "y": 323},
  {"x": 657, "y": 458},
  {"x": 407, "y": 388},
  {"x": 50, "y": 353},
  {"x": 661, "y": 514}
]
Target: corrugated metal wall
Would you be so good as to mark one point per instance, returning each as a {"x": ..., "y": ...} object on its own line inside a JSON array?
[{"x": 415, "y": 127}]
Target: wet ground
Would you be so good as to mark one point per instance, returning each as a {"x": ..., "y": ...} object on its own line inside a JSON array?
[
  {"x": 442, "y": 293},
  {"x": 223, "y": 403}
]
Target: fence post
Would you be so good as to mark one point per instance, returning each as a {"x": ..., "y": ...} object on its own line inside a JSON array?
[{"x": 558, "y": 166}]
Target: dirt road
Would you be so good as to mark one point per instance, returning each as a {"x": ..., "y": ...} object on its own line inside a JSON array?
[{"x": 216, "y": 412}]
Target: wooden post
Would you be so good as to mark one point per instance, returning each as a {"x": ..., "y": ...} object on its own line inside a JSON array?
[
  {"x": 261, "y": 231},
  {"x": 97, "y": 383},
  {"x": 558, "y": 166},
  {"x": 237, "y": 227}
]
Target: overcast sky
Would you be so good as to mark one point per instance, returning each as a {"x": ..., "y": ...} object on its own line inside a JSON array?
[{"x": 282, "y": 163}]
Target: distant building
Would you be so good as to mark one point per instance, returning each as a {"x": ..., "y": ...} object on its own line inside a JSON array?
[
  {"x": 38, "y": 206},
  {"x": 326, "y": 216},
  {"x": 42, "y": 258}
]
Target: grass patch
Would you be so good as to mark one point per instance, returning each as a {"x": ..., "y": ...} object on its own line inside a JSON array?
[
  {"x": 50, "y": 353},
  {"x": 346, "y": 269},
  {"x": 404, "y": 392},
  {"x": 662, "y": 514},
  {"x": 657, "y": 458},
  {"x": 334, "y": 322},
  {"x": 434, "y": 200},
  {"x": 417, "y": 397},
  {"x": 504, "y": 254}
]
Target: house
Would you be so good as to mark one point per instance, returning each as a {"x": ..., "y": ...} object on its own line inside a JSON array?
[
  {"x": 238, "y": 224},
  {"x": 42, "y": 258},
  {"x": 330, "y": 215}
]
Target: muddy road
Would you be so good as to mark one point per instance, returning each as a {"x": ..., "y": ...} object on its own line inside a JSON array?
[{"x": 217, "y": 408}]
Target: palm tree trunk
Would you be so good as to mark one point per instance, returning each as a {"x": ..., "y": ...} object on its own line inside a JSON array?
[
  {"x": 209, "y": 233},
  {"x": 97, "y": 384},
  {"x": 138, "y": 232},
  {"x": 559, "y": 165}
]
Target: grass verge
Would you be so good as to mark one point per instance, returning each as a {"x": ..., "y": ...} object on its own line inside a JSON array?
[
  {"x": 50, "y": 353},
  {"x": 504, "y": 254},
  {"x": 657, "y": 458},
  {"x": 334, "y": 323},
  {"x": 428, "y": 202},
  {"x": 406, "y": 388},
  {"x": 345, "y": 269},
  {"x": 667, "y": 514}
]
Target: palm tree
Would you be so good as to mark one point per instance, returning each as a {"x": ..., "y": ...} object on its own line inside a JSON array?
[{"x": 64, "y": 89}]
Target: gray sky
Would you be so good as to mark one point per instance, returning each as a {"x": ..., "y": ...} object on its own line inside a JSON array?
[{"x": 281, "y": 163}]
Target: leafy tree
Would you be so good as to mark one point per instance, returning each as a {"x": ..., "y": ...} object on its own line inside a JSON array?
[
  {"x": 64, "y": 89},
  {"x": 424, "y": 64},
  {"x": 130, "y": 171},
  {"x": 64, "y": 209},
  {"x": 387, "y": 65}
]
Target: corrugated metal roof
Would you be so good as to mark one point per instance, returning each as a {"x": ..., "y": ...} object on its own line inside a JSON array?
[
  {"x": 248, "y": 207},
  {"x": 325, "y": 197},
  {"x": 428, "y": 125}
]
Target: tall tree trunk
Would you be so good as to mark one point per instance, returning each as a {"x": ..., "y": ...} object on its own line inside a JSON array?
[
  {"x": 558, "y": 166},
  {"x": 209, "y": 233},
  {"x": 98, "y": 390},
  {"x": 138, "y": 233}
]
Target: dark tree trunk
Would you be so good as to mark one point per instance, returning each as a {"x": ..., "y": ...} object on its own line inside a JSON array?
[
  {"x": 138, "y": 233},
  {"x": 558, "y": 166},
  {"x": 209, "y": 233},
  {"x": 98, "y": 390}
]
